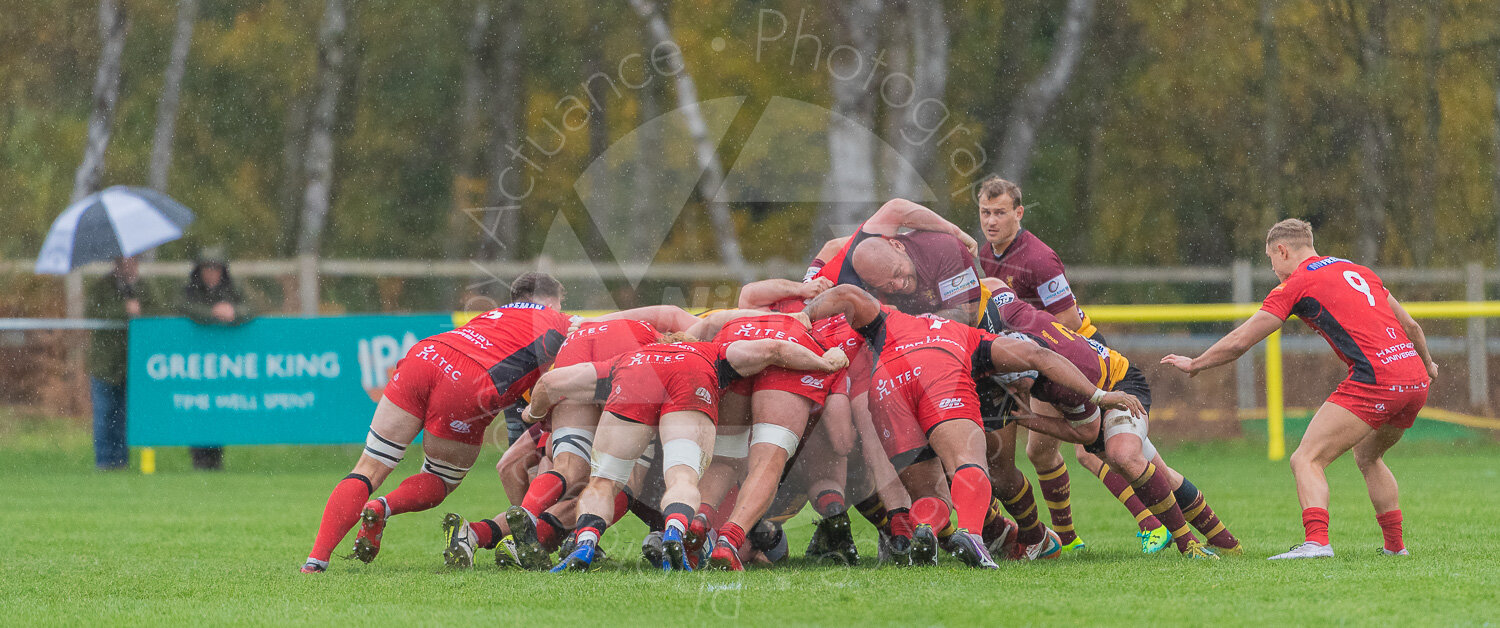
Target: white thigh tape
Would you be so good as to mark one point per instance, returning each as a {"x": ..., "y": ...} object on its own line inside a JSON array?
[
  {"x": 682, "y": 451},
  {"x": 572, "y": 440},
  {"x": 1123, "y": 422},
  {"x": 450, "y": 474},
  {"x": 611, "y": 468},
  {"x": 1086, "y": 420},
  {"x": 388, "y": 452},
  {"x": 732, "y": 445},
  {"x": 775, "y": 435},
  {"x": 648, "y": 456}
]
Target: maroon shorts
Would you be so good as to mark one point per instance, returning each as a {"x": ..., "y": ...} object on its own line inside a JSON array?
[
  {"x": 448, "y": 390},
  {"x": 1380, "y": 406},
  {"x": 913, "y": 393},
  {"x": 644, "y": 392}
]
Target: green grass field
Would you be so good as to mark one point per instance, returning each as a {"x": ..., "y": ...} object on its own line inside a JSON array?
[{"x": 180, "y": 547}]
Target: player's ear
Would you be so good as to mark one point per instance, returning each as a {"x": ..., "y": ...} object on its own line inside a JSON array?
[{"x": 1020, "y": 211}]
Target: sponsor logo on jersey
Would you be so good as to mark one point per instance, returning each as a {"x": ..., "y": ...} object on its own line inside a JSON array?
[
  {"x": 704, "y": 395},
  {"x": 812, "y": 381},
  {"x": 459, "y": 426},
  {"x": 950, "y": 403},
  {"x": 1380, "y": 407},
  {"x": 1325, "y": 262},
  {"x": 1054, "y": 289},
  {"x": 1391, "y": 331},
  {"x": 958, "y": 284}
]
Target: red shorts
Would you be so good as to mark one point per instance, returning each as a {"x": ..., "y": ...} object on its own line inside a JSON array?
[
  {"x": 644, "y": 392},
  {"x": 448, "y": 390},
  {"x": 1380, "y": 406},
  {"x": 601, "y": 342},
  {"x": 913, "y": 393},
  {"x": 809, "y": 384}
]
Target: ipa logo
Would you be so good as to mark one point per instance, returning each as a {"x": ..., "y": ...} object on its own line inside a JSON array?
[{"x": 378, "y": 356}]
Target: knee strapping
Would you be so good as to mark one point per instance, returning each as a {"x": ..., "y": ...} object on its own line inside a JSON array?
[
  {"x": 611, "y": 468},
  {"x": 383, "y": 449},
  {"x": 685, "y": 452},
  {"x": 775, "y": 435},
  {"x": 451, "y": 474},
  {"x": 572, "y": 440},
  {"x": 1123, "y": 422}
]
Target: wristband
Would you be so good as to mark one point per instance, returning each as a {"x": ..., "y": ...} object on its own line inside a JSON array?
[
  {"x": 526, "y": 414},
  {"x": 1097, "y": 396}
]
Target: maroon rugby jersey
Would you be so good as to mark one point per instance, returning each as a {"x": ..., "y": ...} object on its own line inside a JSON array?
[
  {"x": 946, "y": 274},
  {"x": 1035, "y": 272}
]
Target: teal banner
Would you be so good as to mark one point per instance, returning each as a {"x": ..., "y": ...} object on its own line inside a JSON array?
[{"x": 274, "y": 380}]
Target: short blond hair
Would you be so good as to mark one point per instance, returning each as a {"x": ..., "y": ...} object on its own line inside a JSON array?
[
  {"x": 1292, "y": 232},
  {"x": 995, "y": 187}
]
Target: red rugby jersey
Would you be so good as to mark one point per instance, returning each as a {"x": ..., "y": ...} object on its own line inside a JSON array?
[
  {"x": 684, "y": 355},
  {"x": 513, "y": 342},
  {"x": 894, "y": 333},
  {"x": 1347, "y": 305}
]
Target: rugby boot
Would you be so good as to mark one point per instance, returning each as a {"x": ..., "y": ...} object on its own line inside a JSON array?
[
  {"x": 1384, "y": 552},
  {"x": 314, "y": 567},
  {"x": 653, "y": 551},
  {"x": 725, "y": 557},
  {"x": 924, "y": 546},
  {"x": 768, "y": 538},
  {"x": 1049, "y": 547},
  {"x": 1153, "y": 541},
  {"x": 523, "y": 531},
  {"x": 371, "y": 528},
  {"x": 1000, "y": 537},
  {"x": 1306, "y": 550},
  {"x": 580, "y": 559},
  {"x": 698, "y": 534},
  {"x": 460, "y": 550},
  {"x": 1197, "y": 550},
  {"x": 1075, "y": 545},
  {"x": 676, "y": 552},
  {"x": 505, "y": 554},
  {"x": 1237, "y": 550},
  {"x": 970, "y": 548},
  {"x": 840, "y": 538},
  {"x": 817, "y": 546}
]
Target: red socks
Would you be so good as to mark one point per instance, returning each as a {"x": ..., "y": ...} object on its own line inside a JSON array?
[
  {"x": 1390, "y": 528},
  {"x": 341, "y": 513},
  {"x": 971, "y": 496},
  {"x": 1315, "y": 523},
  {"x": 417, "y": 493},
  {"x": 931, "y": 511},
  {"x": 829, "y": 503},
  {"x": 544, "y": 492},
  {"x": 486, "y": 532},
  {"x": 622, "y": 506},
  {"x": 733, "y": 534}
]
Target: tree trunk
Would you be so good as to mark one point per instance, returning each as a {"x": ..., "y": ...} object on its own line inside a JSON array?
[
  {"x": 500, "y": 217},
  {"x": 1374, "y": 137},
  {"x": 112, "y": 27},
  {"x": 171, "y": 91},
  {"x": 923, "y": 30},
  {"x": 1028, "y": 113},
  {"x": 708, "y": 159},
  {"x": 1271, "y": 153},
  {"x": 319, "y": 162},
  {"x": 1495, "y": 210},
  {"x": 1424, "y": 208},
  {"x": 849, "y": 187},
  {"x": 468, "y": 178}
]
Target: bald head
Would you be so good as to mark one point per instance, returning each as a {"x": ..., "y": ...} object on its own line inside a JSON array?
[{"x": 882, "y": 263}]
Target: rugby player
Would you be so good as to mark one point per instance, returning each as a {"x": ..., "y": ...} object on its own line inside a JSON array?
[
  {"x": 1035, "y": 272},
  {"x": 1390, "y": 370},
  {"x": 670, "y": 390},
  {"x": 1006, "y": 313},
  {"x": 926, "y": 402},
  {"x": 449, "y": 386}
]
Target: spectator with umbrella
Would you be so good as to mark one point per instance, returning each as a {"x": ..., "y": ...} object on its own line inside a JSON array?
[
  {"x": 212, "y": 298},
  {"x": 117, "y": 223}
]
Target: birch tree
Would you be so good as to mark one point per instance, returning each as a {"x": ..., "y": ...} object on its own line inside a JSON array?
[
  {"x": 112, "y": 27},
  {"x": 1030, "y": 110},
  {"x": 319, "y": 162},
  {"x": 171, "y": 92}
]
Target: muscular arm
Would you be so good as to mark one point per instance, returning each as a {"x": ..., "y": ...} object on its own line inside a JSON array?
[
  {"x": 569, "y": 382},
  {"x": 665, "y": 318},
  {"x": 855, "y": 304},
  {"x": 766, "y": 292},
  {"x": 1230, "y": 347},
  {"x": 831, "y": 248},
  {"x": 1413, "y": 333},
  {"x": 1070, "y": 318},
  {"x": 749, "y": 357},
  {"x": 1010, "y": 355},
  {"x": 899, "y": 212}
]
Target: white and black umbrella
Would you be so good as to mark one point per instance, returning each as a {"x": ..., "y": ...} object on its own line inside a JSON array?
[{"x": 117, "y": 222}]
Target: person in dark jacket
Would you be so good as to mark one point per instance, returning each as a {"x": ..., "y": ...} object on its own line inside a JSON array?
[
  {"x": 211, "y": 298},
  {"x": 118, "y": 296}
]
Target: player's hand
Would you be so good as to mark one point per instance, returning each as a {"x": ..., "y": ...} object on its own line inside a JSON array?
[
  {"x": 576, "y": 322},
  {"x": 836, "y": 358},
  {"x": 1432, "y": 370},
  {"x": 815, "y": 287},
  {"x": 969, "y": 243},
  {"x": 1123, "y": 401},
  {"x": 1181, "y": 363}
]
